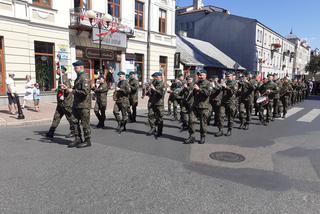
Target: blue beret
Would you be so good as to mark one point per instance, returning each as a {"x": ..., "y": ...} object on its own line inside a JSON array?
[
  {"x": 78, "y": 63},
  {"x": 63, "y": 68},
  {"x": 157, "y": 74},
  {"x": 202, "y": 71},
  {"x": 132, "y": 72}
]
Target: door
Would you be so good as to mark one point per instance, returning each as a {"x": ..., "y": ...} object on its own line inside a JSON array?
[{"x": 164, "y": 67}]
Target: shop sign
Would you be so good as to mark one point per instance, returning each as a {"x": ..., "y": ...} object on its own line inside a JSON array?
[
  {"x": 112, "y": 39},
  {"x": 95, "y": 53}
]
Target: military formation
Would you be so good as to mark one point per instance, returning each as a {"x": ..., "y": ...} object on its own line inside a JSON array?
[{"x": 200, "y": 100}]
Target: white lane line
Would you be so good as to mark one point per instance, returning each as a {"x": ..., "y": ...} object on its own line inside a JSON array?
[
  {"x": 292, "y": 112},
  {"x": 310, "y": 116}
]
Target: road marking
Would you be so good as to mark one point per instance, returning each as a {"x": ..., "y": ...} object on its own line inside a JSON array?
[
  {"x": 310, "y": 116},
  {"x": 292, "y": 112}
]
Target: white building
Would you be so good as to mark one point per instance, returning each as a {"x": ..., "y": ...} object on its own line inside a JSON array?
[
  {"x": 255, "y": 46},
  {"x": 302, "y": 55},
  {"x": 33, "y": 32}
]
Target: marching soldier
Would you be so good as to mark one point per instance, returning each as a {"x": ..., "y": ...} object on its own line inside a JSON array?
[
  {"x": 215, "y": 98},
  {"x": 294, "y": 92},
  {"x": 101, "y": 91},
  {"x": 64, "y": 105},
  {"x": 268, "y": 89},
  {"x": 121, "y": 98},
  {"x": 285, "y": 90},
  {"x": 245, "y": 89},
  {"x": 200, "y": 107},
  {"x": 276, "y": 100},
  {"x": 171, "y": 96},
  {"x": 133, "y": 96},
  {"x": 228, "y": 104},
  {"x": 186, "y": 103},
  {"x": 81, "y": 106},
  {"x": 156, "y": 93}
]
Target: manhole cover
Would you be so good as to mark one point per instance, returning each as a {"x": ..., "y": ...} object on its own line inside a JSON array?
[{"x": 227, "y": 157}]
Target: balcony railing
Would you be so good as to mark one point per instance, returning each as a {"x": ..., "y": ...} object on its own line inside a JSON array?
[{"x": 79, "y": 21}]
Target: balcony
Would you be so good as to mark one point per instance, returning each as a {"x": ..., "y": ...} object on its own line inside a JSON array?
[{"x": 79, "y": 22}]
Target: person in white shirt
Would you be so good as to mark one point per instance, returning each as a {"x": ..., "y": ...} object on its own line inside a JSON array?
[
  {"x": 11, "y": 91},
  {"x": 29, "y": 86}
]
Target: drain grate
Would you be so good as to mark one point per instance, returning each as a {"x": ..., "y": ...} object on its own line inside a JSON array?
[{"x": 227, "y": 157}]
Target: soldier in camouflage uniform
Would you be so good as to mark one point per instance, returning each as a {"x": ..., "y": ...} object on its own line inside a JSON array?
[
  {"x": 245, "y": 90},
  {"x": 121, "y": 98},
  {"x": 215, "y": 99},
  {"x": 101, "y": 91},
  {"x": 277, "y": 105},
  {"x": 228, "y": 104},
  {"x": 81, "y": 106},
  {"x": 156, "y": 93},
  {"x": 133, "y": 96},
  {"x": 64, "y": 105},
  {"x": 200, "y": 107},
  {"x": 294, "y": 92},
  {"x": 285, "y": 90},
  {"x": 268, "y": 89},
  {"x": 186, "y": 102}
]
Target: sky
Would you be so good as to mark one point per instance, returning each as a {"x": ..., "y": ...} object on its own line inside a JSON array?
[{"x": 279, "y": 15}]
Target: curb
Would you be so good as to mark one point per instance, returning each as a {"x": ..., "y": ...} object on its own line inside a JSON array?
[{"x": 25, "y": 122}]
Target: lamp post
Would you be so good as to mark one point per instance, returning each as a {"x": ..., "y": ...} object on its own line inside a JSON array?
[{"x": 102, "y": 21}]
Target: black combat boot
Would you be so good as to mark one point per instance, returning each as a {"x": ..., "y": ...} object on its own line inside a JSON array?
[
  {"x": 98, "y": 125},
  {"x": 152, "y": 131},
  {"x": 219, "y": 133},
  {"x": 86, "y": 143},
  {"x": 229, "y": 132},
  {"x": 160, "y": 128},
  {"x": 190, "y": 140},
  {"x": 50, "y": 133},
  {"x": 241, "y": 125},
  {"x": 75, "y": 143},
  {"x": 184, "y": 127},
  {"x": 284, "y": 116},
  {"x": 202, "y": 140},
  {"x": 124, "y": 128}
]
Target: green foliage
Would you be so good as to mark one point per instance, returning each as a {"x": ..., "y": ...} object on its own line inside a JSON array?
[{"x": 314, "y": 65}]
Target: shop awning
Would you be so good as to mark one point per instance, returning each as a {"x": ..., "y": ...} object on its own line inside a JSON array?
[{"x": 194, "y": 52}]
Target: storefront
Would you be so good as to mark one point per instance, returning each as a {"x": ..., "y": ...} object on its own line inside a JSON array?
[{"x": 91, "y": 58}]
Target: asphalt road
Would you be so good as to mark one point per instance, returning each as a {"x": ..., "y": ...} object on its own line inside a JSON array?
[{"x": 135, "y": 173}]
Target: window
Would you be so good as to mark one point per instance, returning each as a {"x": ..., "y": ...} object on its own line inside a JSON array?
[
  {"x": 162, "y": 21},
  {"x": 139, "y": 65},
  {"x": 114, "y": 8},
  {"x": 2, "y": 73},
  {"x": 86, "y": 4},
  {"x": 44, "y": 62},
  {"x": 42, "y": 3},
  {"x": 138, "y": 14}
]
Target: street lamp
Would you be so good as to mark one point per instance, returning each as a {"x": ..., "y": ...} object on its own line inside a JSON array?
[{"x": 102, "y": 21}]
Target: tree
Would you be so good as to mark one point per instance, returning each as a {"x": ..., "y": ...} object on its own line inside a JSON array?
[{"x": 314, "y": 65}]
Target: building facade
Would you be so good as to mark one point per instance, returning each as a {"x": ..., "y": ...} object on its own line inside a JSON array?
[
  {"x": 34, "y": 32},
  {"x": 255, "y": 46}
]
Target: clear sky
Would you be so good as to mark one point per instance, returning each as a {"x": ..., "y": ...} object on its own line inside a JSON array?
[{"x": 280, "y": 15}]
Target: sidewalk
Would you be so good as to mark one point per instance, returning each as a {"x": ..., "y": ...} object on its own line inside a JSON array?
[{"x": 47, "y": 110}]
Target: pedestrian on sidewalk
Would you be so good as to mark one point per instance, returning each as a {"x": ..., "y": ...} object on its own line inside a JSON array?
[
  {"x": 28, "y": 95},
  {"x": 11, "y": 92},
  {"x": 36, "y": 97}
]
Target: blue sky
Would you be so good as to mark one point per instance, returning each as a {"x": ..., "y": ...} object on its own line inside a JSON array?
[{"x": 280, "y": 15}]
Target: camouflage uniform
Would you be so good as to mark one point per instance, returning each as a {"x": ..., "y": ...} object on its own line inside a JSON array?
[
  {"x": 186, "y": 103},
  {"x": 276, "y": 101},
  {"x": 270, "y": 85},
  {"x": 285, "y": 90},
  {"x": 81, "y": 106},
  {"x": 64, "y": 107},
  {"x": 215, "y": 101},
  {"x": 246, "y": 90},
  {"x": 121, "y": 99},
  {"x": 200, "y": 108},
  {"x": 133, "y": 98},
  {"x": 100, "y": 106},
  {"x": 156, "y": 107},
  {"x": 228, "y": 105}
]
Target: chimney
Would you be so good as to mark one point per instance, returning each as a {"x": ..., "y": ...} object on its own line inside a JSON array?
[{"x": 197, "y": 4}]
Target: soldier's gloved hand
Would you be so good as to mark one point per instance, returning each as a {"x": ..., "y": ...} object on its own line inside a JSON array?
[
  {"x": 63, "y": 86},
  {"x": 117, "y": 89},
  {"x": 152, "y": 87}
]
